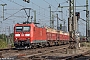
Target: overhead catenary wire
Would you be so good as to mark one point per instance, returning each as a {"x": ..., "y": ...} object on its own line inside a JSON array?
[
  {"x": 52, "y": 5},
  {"x": 39, "y": 6},
  {"x": 11, "y": 9},
  {"x": 56, "y": 2},
  {"x": 38, "y": 13},
  {"x": 83, "y": 28},
  {"x": 79, "y": 3},
  {"x": 16, "y": 3},
  {"x": 49, "y": 4},
  {"x": 13, "y": 14},
  {"x": 42, "y": 15},
  {"x": 61, "y": 3},
  {"x": 66, "y": 1},
  {"x": 82, "y": 23},
  {"x": 23, "y": 6},
  {"x": 2, "y": 1}
]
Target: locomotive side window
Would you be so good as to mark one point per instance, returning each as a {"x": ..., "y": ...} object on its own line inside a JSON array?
[
  {"x": 19, "y": 28},
  {"x": 26, "y": 28}
]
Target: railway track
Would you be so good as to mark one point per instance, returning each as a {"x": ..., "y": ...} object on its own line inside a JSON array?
[
  {"x": 5, "y": 49},
  {"x": 30, "y": 53},
  {"x": 42, "y": 56},
  {"x": 82, "y": 56},
  {"x": 41, "y": 52},
  {"x": 47, "y": 53}
]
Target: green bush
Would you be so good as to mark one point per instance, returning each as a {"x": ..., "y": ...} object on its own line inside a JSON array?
[{"x": 2, "y": 44}]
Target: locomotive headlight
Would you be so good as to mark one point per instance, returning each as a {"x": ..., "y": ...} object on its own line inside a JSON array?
[
  {"x": 17, "y": 34},
  {"x": 27, "y": 34},
  {"x": 16, "y": 38}
]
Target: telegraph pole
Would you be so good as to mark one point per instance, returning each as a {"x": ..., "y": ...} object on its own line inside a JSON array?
[
  {"x": 70, "y": 24},
  {"x": 57, "y": 22},
  {"x": 50, "y": 15},
  {"x": 3, "y": 13},
  {"x": 3, "y": 10},
  {"x": 34, "y": 16},
  {"x": 87, "y": 22},
  {"x": 52, "y": 21}
]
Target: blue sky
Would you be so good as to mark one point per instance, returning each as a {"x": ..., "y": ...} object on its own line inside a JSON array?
[{"x": 42, "y": 10}]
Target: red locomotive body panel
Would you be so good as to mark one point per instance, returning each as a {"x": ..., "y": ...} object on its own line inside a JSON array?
[{"x": 39, "y": 34}]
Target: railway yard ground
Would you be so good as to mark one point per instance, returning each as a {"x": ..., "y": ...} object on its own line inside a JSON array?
[{"x": 48, "y": 53}]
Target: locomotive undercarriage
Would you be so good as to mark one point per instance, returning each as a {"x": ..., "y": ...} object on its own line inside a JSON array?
[
  {"x": 27, "y": 44},
  {"x": 22, "y": 44}
]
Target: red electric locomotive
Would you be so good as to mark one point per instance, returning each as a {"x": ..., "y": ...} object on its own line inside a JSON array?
[{"x": 29, "y": 35}]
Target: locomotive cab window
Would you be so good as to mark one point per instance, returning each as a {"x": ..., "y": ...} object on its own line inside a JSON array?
[
  {"x": 22, "y": 28},
  {"x": 19, "y": 28},
  {"x": 26, "y": 28}
]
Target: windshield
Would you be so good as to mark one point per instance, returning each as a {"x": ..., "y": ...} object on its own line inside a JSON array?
[
  {"x": 19, "y": 28},
  {"x": 26, "y": 28},
  {"x": 22, "y": 28}
]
